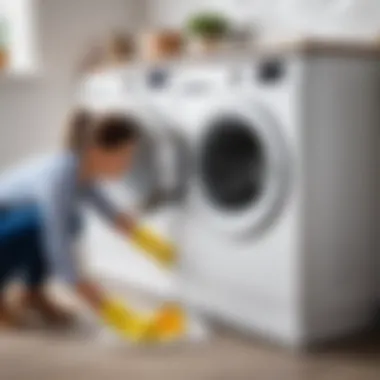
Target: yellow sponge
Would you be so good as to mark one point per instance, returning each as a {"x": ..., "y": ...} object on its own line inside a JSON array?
[{"x": 168, "y": 324}]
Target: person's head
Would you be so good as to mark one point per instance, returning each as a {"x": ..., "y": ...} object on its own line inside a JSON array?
[{"x": 105, "y": 143}]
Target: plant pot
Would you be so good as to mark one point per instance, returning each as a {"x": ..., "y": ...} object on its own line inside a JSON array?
[
  {"x": 119, "y": 48},
  {"x": 162, "y": 45},
  {"x": 206, "y": 45},
  {"x": 115, "y": 49},
  {"x": 4, "y": 59}
]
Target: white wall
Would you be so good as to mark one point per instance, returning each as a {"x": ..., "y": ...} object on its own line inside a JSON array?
[
  {"x": 277, "y": 18},
  {"x": 32, "y": 109},
  {"x": 175, "y": 12}
]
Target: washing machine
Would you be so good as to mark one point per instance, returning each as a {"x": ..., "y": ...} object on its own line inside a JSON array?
[
  {"x": 278, "y": 230},
  {"x": 154, "y": 188}
]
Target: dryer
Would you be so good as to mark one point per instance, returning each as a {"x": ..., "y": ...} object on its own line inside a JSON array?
[
  {"x": 278, "y": 232},
  {"x": 154, "y": 187}
]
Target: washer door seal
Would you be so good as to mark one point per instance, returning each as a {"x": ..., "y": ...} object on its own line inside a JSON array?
[
  {"x": 233, "y": 164},
  {"x": 244, "y": 167},
  {"x": 157, "y": 172}
]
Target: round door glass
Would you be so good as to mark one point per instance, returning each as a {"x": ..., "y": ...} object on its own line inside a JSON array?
[{"x": 233, "y": 163}]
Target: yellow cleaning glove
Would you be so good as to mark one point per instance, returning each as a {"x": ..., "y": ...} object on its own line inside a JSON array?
[
  {"x": 154, "y": 246},
  {"x": 125, "y": 321},
  {"x": 167, "y": 324}
]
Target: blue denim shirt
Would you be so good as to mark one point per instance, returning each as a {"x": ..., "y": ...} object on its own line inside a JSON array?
[{"x": 52, "y": 183}]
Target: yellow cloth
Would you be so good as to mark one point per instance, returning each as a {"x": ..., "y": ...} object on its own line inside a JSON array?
[
  {"x": 169, "y": 323},
  {"x": 153, "y": 245}
]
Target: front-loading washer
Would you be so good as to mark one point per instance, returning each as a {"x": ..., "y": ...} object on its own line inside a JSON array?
[
  {"x": 278, "y": 232},
  {"x": 154, "y": 188}
]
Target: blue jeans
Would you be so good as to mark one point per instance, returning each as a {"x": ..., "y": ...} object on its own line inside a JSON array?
[{"x": 21, "y": 246}]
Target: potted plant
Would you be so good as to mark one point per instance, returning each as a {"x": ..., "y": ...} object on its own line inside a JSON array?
[
  {"x": 208, "y": 29},
  {"x": 119, "y": 48},
  {"x": 161, "y": 44},
  {"x": 4, "y": 44}
]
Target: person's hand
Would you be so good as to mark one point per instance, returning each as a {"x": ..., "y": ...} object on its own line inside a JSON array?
[
  {"x": 125, "y": 321},
  {"x": 148, "y": 240},
  {"x": 154, "y": 245}
]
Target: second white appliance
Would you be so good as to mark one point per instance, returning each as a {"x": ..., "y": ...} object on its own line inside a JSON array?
[{"x": 152, "y": 190}]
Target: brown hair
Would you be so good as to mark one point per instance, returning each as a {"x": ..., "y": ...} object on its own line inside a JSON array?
[{"x": 108, "y": 131}]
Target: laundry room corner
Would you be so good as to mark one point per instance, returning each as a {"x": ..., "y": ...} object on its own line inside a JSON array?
[{"x": 189, "y": 189}]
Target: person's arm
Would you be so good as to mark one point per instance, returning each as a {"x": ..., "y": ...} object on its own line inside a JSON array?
[
  {"x": 153, "y": 245},
  {"x": 123, "y": 222},
  {"x": 56, "y": 199}
]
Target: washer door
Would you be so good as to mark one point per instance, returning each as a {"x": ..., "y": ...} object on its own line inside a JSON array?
[
  {"x": 243, "y": 166},
  {"x": 159, "y": 171}
]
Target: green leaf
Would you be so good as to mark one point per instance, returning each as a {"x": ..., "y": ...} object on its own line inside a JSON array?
[{"x": 208, "y": 24}]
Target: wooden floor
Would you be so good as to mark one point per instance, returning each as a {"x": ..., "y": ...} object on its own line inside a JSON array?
[
  {"x": 58, "y": 356},
  {"x": 81, "y": 353}
]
